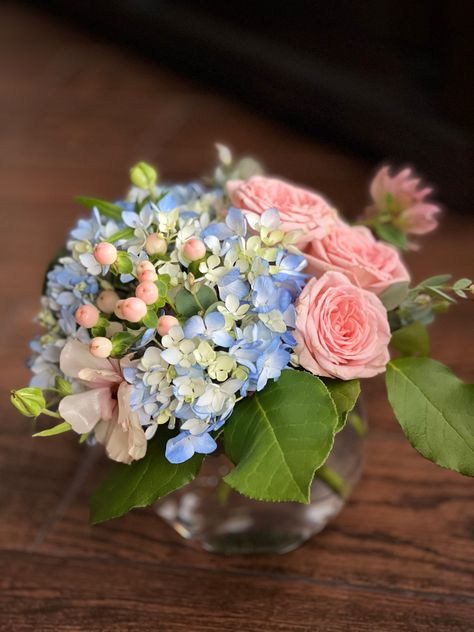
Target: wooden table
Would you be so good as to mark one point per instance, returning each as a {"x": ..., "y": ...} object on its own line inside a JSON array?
[{"x": 75, "y": 113}]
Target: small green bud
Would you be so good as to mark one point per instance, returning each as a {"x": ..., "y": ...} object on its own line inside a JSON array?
[
  {"x": 29, "y": 401},
  {"x": 63, "y": 386},
  {"x": 143, "y": 176}
]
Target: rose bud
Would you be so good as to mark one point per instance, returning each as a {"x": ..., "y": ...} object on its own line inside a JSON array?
[
  {"x": 148, "y": 275},
  {"x": 87, "y": 316},
  {"x": 156, "y": 245},
  {"x": 100, "y": 347},
  {"x": 134, "y": 309},
  {"x": 194, "y": 249},
  {"x": 118, "y": 309},
  {"x": 147, "y": 291},
  {"x": 165, "y": 323},
  {"x": 105, "y": 253},
  {"x": 107, "y": 300},
  {"x": 144, "y": 265}
]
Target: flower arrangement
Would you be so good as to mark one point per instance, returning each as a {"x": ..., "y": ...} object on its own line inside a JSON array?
[{"x": 242, "y": 310}]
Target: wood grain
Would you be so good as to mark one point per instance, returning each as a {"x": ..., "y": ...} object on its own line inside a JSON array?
[{"x": 75, "y": 112}]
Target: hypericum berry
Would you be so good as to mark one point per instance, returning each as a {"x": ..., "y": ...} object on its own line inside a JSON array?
[
  {"x": 156, "y": 245},
  {"x": 165, "y": 323},
  {"x": 133, "y": 309},
  {"x": 105, "y": 253},
  {"x": 107, "y": 300},
  {"x": 144, "y": 265},
  {"x": 194, "y": 249},
  {"x": 87, "y": 316},
  {"x": 147, "y": 291},
  {"x": 148, "y": 275},
  {"x": 100, "y": 347},
  {"x": 118, "y": 309}
]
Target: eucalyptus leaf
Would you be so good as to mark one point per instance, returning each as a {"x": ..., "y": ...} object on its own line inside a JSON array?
[
  {"x": 50, "y": 432},
  {"x": 435, "y": 410},
  {"x": 279, "y": 436},
  {"x": 105, "y": 208},
  {"x": 345, "y": 395},
  {"x": 142, "y": 482},
  {"x": 439, "y": 279},
  {"x": 394, "y": 295},
  {"x": 189, "y": 304},
  {"x": 411, "y": 339}
]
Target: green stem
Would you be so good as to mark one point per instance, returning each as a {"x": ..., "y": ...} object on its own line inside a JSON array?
[
  {"x": 359, "y": 424},
  {"x": 335, "y": 482},
  {"x": 50, "y": 413}
]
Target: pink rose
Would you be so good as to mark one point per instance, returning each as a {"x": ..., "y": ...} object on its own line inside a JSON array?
[
  {"x": 342, "y": 331},
  {"x": 368, "y": 263},
  {"x": 403, "y": 199},
  {"x": 299, "y": 208}
]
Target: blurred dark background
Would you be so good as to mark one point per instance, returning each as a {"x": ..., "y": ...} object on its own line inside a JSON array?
[{"x": 386, "y": 79}]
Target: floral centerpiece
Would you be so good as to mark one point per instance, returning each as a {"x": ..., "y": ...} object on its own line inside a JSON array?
[{"x": 240, "y": 311}]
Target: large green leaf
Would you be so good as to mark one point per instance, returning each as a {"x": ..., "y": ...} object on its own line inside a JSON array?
[
  {"x": 435, "y": 410},
  {"x": 278, "y": 438},
  {"x": 411, "y": 339},
  {"x": 345, "y": 395},
  {"x": 141, "y": 483}
]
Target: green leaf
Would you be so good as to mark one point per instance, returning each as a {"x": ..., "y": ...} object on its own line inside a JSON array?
[
  {"x": 345, "y": 395},
  {"x": 50, "y": 432},
  {"x": 435, "y": 410},
  {"x": 62, "y": 386},
  {"x": 188, "y": 304},
  {"x": 121, "y": 342},
  {"x": 29, "y": 401},
  {"x": 411, "y": 340},
  {"x": 391, "y": 234},
  {"x": 394, "y": 295},
  {"x": 125, "y": 233},
  {"x": 99, "y": 329},
  {"x": 124, "y": 262},
  {"x": 151, "y": 319},
  {"x": 278, "y": 438},
  {"x": 105, "y": 208},
  {"x": 462, "y": 284},
  {"x": 142, "y": 482}
]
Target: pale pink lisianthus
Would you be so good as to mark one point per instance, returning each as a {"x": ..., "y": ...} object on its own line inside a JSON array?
[
  {"x": 104, "y": 406},
  {"x": 342, "y": 331},
  {"x": 354, "y": 251},
  {"x": 403, "y": 197},
  {"x": 299, "y": 209}
]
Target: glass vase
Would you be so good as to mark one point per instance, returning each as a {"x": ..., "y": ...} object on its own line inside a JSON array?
[{"x": 211, "y": 514}]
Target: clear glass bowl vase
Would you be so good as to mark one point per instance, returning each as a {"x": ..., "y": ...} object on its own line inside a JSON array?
[{"x": 211, "y": 514}]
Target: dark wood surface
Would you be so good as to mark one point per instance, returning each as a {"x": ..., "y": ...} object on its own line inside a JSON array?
[{"x": 75, "y": 112}]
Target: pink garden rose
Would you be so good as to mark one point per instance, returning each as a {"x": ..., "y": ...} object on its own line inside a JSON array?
[
  {"x": 342, "y": 330},
  {"x": 403, "y": 199},
  {"x": 299, "y": 209},
  {"x": 368, "y": 263},
  {"x": 104, "y": 406}
]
